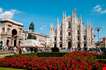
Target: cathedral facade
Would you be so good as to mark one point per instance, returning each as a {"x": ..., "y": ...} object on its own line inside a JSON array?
[{"x": 71, "y": 33}]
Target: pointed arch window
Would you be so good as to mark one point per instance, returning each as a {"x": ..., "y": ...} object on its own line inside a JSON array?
[
  {"x": 69, "y": 24},
  {"x": 3, "y": 29}
]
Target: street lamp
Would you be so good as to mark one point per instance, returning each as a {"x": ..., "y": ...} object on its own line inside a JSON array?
[{"x": 98, "y": 31}]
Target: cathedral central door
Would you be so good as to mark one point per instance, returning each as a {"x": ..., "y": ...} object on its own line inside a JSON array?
[{"x": 69, "y": 44}]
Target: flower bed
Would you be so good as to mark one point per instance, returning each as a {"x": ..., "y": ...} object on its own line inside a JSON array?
[{"x": 71, "y": 61}]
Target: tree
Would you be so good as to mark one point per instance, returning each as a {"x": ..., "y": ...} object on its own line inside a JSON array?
[{"x": 31, "y": 27}]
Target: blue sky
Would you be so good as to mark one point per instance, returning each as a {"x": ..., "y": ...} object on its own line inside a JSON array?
[{"x": 44, "y": 12}]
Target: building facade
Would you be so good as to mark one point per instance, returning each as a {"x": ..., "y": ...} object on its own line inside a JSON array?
[
  {"x": 36, "y": 36},
  {"x": 11, "y": 33},
  {"x": 71, "y": 33},
  {"x": 102, "y": 43}
]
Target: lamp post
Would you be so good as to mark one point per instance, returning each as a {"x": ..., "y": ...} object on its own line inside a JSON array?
[
  {"x": 98, "y": 44},
  {"x": 98, "y": 30}
]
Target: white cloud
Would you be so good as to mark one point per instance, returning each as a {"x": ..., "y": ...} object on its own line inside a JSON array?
[
  {"x": 1, "y": 10},
  {"x": 104, "y": 11},
  {"x": 99, "y": 9},
  {"x": 8, "y": 14}
]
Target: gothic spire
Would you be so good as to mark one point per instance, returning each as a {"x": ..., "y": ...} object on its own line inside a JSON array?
[
  {"x": 74, "y": 13},
  {"x": 51, "y": 28},
  {"x": 81, "y": 20},
  {"x": 58, "y": 26},
  {"x": 57, "y": 20},
  {"x": 64, "y": 15}
]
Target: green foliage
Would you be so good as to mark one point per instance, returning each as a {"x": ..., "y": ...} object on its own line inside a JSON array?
[
  {"x": 51, "y": 54},
  {"x": 2, "y": 68},
  {"x": 101, "y": 57},
  {"x": 55, "y": 49},
  {"x": 41, "y": 54}
]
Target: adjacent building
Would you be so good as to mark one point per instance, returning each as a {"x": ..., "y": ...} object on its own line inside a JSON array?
[
  {"x": 102, "y": 43},
  {"x": 11, "y": 33}
]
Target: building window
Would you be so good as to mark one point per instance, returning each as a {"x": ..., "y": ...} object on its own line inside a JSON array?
[
  {"x": 69, "y": 25},
  {"x": 84, "y": 44},
  {"x": 10, "y": 25},
  {"x": 55, "y": 45},
  {"x": 78, "y": 46},
  {"x": 55, "y": 38},
  {"x": 3, "y": 29},
  {"x": 60, "y": 32},
  {"x": 84, "y": 37},
  {"x": 78, "y": 32},
  {"x": 19, "y": 32},
  {"x": 7, "y": 43},
  {"x": 60, "y": 38},
  {"x": 20, "y": 28},
  {"x": 78, "y": 37},
  {"x": 8, "y": 30},
  {"x": 61, "y": 45},
  {"x": 69, "y": 44},
  {"x": 69, "y": 33}
]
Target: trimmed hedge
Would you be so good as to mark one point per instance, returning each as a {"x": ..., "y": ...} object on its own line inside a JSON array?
[
  {"x": 42, "y": 54},
  {"x": 101, "y": 57},
  {"x": 51, "y": 54},
  {"x": 101, "y": 60}
]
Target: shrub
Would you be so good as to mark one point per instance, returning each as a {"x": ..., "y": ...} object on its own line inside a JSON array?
[
  {"x": 70, "y": 61},
  {"x": 51, "y": 54},
  {"x": 55, "y": 49}
]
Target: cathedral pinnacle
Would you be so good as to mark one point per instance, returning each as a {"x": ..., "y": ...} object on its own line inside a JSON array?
[
  {"x": 64, "y": 15},
  {"x": 74, "y": 13},
  {"x": 57, "y": 20},
  {"x": 51, "y": 28}
]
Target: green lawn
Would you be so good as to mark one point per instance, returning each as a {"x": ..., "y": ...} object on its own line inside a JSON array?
[{"x": 3, "y": 68}]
